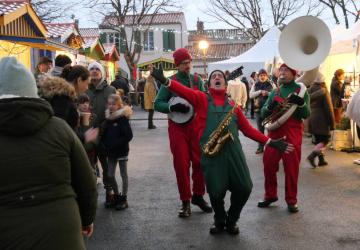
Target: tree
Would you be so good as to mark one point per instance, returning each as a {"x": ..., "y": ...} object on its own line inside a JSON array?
[
  {"x": 52, "y": 10},
  {"x": 248, "y": 15},
  {"x": 348, "y": 8},
  {"x": 128, "y": 18}
]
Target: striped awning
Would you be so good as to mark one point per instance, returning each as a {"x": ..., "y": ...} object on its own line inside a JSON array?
[{"x": 167, "y": 64}]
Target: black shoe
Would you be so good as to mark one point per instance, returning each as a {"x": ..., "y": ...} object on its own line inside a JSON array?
[
  {"x": 121, "y": 202},
  {"x": 311, "y": 158},
  {"x": 322, "y": 161},
  {"x": 266, "y": 202},
  {"x": 217, "y": 228},
  {"x": 152, "y": 127},
  {"x": 109, "y": 200},
  {"x": 185, "y": 210},
  {"x": 293, "y": 208},
  {"x": 232, "y": 229},
  {"x": 201, "y": 203}
]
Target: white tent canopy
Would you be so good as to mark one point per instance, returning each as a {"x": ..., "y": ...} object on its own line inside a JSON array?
[{"x": 261, "y": 54}]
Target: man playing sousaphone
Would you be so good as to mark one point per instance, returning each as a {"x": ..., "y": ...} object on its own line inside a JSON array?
[
  {"x": 292, "y": 129},
  {"x": 184, "y": 144},
  {"x": 222, "y": 158}
]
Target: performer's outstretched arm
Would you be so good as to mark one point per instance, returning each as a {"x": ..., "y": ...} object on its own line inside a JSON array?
[
  {"x": 248, "y": 130},
  {"x": 191, "y": 95}
]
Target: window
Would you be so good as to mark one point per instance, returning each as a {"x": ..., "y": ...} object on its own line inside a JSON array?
[
  {"x": 168, "y": 40},
  {"x": 112, "y": 38},
  {"x": 149, "y": 41},
  {"x": 119, "y": 42}
]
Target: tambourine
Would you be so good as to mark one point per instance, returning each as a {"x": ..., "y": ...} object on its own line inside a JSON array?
[{"x": 181, "y": 118}]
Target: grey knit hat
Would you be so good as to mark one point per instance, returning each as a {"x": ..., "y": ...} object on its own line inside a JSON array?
[{"x": 16, "y": 80}]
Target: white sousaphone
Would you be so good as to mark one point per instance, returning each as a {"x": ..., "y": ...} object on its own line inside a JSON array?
[{"x": 303, "y": 45}]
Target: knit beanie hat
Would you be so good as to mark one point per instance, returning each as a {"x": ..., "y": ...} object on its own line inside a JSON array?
[
  {"x": 98, "y": 66},
  {"x": 293, "y": 71},
  {"x": 181, "y": 55},
  {"x": 320, "y": 78},
  {"x": 262, "y": 71},
  {"x": 16, "y": 80},
  {"x": 217, "y": 70}
]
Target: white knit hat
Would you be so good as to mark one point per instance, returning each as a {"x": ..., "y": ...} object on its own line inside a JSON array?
[
  {"x": 98, "y": 66},
  {"x": 320, "y": 77},
  {"x": 16, "y": 80}
]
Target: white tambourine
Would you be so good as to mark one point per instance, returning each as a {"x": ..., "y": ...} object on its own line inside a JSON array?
[{"x": 181, "y": 118}]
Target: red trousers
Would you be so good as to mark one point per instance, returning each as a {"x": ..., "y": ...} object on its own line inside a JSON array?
[
  {"x": 185, "y": 147},
  {"x": 293, "y": 130}
]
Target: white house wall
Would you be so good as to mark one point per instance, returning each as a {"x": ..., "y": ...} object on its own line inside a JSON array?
[{"x": 181, "y": 40}]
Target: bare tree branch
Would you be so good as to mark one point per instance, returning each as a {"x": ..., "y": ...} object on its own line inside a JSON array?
[
  {"x": 128, "y": 18},
  {"x": 248, "y": 15},
  {"x": 348, "y": 8},
  {"x": 53, "y": 10}
]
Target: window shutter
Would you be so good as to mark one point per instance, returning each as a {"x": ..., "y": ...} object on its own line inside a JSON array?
[
  {"x": 165, "y": 40},
  {"x": 137, "y": 41},
  {"x": 171, "y": 40},
  {"x": 122, "y": 44},
  {"x": 103, "y": 37}
]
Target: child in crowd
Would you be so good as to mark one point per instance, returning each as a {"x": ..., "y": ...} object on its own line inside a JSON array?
[
  {"x": 87, "y": 118},
  {"x": 116, "y": 134}
]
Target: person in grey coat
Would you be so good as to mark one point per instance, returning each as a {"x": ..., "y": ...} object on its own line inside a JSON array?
[
  {"x": 321, "y": 119},
  {"x": 98, "y": 92}
]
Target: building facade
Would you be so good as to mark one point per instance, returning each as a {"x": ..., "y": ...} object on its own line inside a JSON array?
[
  {"x": 222, "y": 44},
  {"x": 155, "y": 37}
]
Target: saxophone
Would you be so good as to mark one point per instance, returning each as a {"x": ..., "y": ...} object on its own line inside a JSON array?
[{"x": 218, "y": 137}]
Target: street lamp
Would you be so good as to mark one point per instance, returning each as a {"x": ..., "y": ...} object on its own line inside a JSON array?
[{"x": 204, "y": 45}]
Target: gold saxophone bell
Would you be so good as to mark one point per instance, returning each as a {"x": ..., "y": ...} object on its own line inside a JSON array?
[{"x": 219, "y": 136}]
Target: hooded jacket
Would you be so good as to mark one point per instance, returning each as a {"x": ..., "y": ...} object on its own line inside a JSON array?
[
  {"x": 117, "y": 132},
  {"x": 61, "y": 95},
  {"x": 47, "y": 187}
]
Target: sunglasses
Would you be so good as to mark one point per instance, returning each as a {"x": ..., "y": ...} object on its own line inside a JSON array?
[{"x": 95, "y": 69}]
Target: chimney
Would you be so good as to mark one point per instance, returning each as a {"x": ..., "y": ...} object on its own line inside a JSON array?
[
  {"x": 76, "y": 23},
  {"x": 200, "y": 26}
]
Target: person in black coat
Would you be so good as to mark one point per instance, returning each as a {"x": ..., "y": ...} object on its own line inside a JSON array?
[
  {"x": 122, "y": 83},
  {"x": 116, "y": 134},
  {"x": 321, "y": 120}
]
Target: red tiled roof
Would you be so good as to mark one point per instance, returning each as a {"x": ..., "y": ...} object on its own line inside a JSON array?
[
  {"x": 162, "y": 18},
  {"x": 89, "y": 32},
  {"x": 220, "y": 51},
  {"x": 7, "y": 7},
  {"x": 59, "y": 29}
]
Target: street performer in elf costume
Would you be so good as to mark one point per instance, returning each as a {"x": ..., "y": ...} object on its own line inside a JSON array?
[
  {"x": 184, "y": 144},
  {"x": 292, "y": 129},
  {"x": 222, "y": 158}
]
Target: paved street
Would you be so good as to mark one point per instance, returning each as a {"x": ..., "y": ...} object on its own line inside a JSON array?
[{"x": 329, "y": 201}]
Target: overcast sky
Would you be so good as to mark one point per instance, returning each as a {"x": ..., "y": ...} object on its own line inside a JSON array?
[{"x": 193, "y": 10}]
